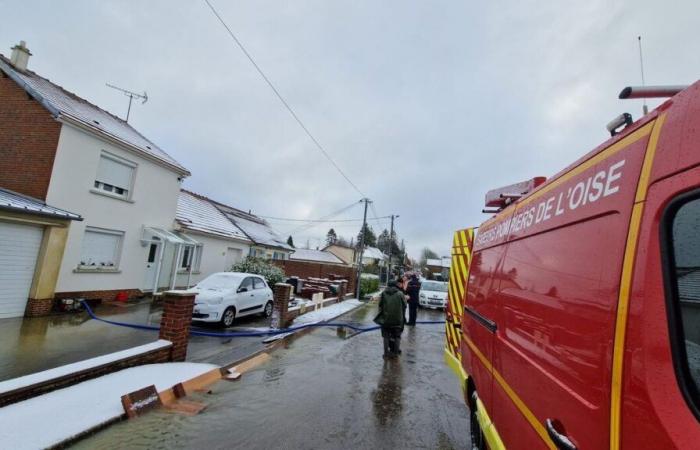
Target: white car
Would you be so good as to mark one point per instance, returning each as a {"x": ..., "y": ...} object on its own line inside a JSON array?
[
  {"x": 433, "y": 294},
  {"x": 224, "y": 296}
]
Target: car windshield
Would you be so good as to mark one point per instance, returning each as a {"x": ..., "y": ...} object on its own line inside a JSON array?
[
  {"x": 434, "y": 286},
  {"x": 219, "y": 281}
]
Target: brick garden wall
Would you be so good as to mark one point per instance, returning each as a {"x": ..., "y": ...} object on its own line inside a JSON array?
[
  {"x": 28, "y": 141},
  {"x": 105, "y": 296},
  {"x": 317, "y": 270}
]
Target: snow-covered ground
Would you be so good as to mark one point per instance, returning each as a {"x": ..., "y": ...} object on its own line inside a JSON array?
[
  {"x": 52, "y": 418},
  {"x": 46, "y": 375},
  {"x": 320, "y": 315},
  {"x": 327, "y": 312}
]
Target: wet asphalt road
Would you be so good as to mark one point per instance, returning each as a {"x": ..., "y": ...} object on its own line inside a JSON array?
[{"x": 321, "y": 392}]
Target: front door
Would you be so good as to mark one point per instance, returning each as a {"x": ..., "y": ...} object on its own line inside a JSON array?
[
  {"x": 233, "y": 255},
  {"x": 151, "y": 265}
]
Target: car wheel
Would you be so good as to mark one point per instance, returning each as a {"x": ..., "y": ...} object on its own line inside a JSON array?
[
  {"x": 267, "y": 311},
  {"x": 477, "y": 435},
  {"x": 228, "y": 317}
]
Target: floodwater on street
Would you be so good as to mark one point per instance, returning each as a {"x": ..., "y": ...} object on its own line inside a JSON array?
[
  {"x": 29, "y": 345},
  {"x": 321, "y": 392}
]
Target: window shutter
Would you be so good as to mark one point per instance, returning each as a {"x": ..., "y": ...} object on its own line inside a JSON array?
[
  {"x": 100, "y": 249},
  {"x": 115, "y": 173}
]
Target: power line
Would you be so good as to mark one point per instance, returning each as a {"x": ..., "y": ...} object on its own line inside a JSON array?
[
  {"x": 307, "y": 226},
  {"x": 284, "y": 102},
  {"x": 284, "y": 219}
]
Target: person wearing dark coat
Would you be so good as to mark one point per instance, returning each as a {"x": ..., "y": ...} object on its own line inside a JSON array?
[
  {"x": 412, "y": 290},
  {"x": 392, "y": 310}
]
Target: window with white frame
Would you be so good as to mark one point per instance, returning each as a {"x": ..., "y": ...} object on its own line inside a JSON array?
[
  {"x": 257, "y": 253},
  {"x": 115, "y": 175},
  {"x": 191, "y": 256},
  {"x": 278, "y": 255},
  {"x": 101, "y": 249}
]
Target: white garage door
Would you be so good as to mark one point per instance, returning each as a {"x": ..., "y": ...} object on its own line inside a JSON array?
[{"x": 19, "y": 247}]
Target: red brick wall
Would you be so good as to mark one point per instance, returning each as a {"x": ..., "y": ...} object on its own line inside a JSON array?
[
  {"x": 316, "y": 270},
  {"x": 28, "y": 141},
  {"x": 38, "y": 307},
  {"x": 105, "y": 296}
]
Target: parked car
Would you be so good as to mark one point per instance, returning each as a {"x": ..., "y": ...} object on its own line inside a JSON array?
[
  {"x": 224, "y": 296},
  {"x": 433, "y": 294}
]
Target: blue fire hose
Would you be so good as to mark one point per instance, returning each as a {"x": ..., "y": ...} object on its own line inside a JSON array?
[{"x": 271, "y": 332}]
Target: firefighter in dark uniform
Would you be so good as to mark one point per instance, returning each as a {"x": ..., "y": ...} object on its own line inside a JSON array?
[
  {"x": 392, "y": 310},
  {"x": 412, "y": 290}
]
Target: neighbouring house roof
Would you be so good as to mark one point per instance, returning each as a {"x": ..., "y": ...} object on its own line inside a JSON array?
[
  {"x": 304, "y": 254},
  {"x": 13, "y": 201},
  {"x": 64, "y": 104},
  {"x": 373, "y": 253},
  {"x": 198, "y": 213},
  {"x": 256, "y": 228},
  {"x": 337, "y": 244}
]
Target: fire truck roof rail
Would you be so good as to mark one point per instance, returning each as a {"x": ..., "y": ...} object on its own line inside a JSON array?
[
  {"x": 504, "y": 196},
  {"x": 631, "y": 92},
  {"x": 511, "y": 196},
  {"x": 623, "y": 119}
]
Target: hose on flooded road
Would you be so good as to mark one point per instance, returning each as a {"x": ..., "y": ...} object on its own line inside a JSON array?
[{"x": 271, "y": 332}]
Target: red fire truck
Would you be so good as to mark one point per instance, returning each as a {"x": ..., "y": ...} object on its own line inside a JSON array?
[{"x": 574, "y": 312}]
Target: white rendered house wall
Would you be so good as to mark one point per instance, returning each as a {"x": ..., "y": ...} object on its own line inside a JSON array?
[{"x": 151, "y": 202}]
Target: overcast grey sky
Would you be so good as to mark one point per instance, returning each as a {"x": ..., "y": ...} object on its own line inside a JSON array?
[{"x": 425, "y": 105}]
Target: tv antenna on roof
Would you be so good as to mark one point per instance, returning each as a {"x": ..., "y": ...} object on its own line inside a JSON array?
[{"x": 132, "y": 96}]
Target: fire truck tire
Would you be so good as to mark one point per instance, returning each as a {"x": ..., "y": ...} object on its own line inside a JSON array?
[{"x": 477, "y": 436}]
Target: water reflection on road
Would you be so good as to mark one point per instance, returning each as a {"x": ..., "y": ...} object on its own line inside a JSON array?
[{"x": 321, "y": 392}]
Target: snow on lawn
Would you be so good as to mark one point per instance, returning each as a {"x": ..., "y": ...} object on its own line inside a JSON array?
[
  {"x": 327, "y": 312},
  {"x": 46, "y": 375},
  {"x": 320, "y": 315},
  {"x": 51, "y": 418}
]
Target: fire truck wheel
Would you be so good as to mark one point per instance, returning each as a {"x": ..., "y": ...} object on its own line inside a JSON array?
[{"x": 477, "y": 436}]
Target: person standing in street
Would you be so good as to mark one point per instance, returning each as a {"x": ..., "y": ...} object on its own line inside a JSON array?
[
  {"x": 413, "y": 290},
  {"x": 391, "y": 316}
]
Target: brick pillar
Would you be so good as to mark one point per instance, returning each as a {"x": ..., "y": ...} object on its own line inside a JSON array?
[
  {"x": 280, "y": 305},
  {"x": 175, "y": 323},
  {"x": 38, "y": 307}
]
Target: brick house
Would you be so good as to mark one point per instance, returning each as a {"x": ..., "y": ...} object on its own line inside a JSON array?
[{"x": 62, "y": 150}]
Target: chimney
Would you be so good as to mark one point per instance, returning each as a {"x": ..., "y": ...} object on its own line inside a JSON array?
[{"x": 20, "y": 55}]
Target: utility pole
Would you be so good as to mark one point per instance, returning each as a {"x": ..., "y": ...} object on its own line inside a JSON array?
[
  {"x": 391, "y": 245},
  {"x": 362, "y": 246}
]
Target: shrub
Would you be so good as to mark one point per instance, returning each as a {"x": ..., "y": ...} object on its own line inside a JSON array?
[
  {"x": 263, "y": 267},
  {"x": 368, "y": 285}
]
